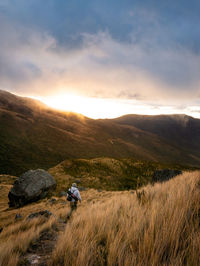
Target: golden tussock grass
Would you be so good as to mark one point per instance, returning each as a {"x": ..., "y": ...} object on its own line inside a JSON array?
[
  {"x": 18, "y": 235},
  {"x": 158, "y": 225}
]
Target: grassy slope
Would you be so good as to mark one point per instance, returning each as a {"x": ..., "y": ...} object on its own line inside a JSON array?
[
  {"x": 106, "y": 173},
  {"x": 158, "y": 225},
  {"x": 181, "y": 130},
  {"x": 18, "y": 235}
]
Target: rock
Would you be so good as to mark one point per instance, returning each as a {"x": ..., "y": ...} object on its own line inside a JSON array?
[
  {"x": 77, "y": 181},
  {"x": 45, "y": 213},
  {"x": 52, "y": 201},
  {"x": 63, "y": 202},
  {"x": 99, "y": 190},
  {"x": 33, "y": 259},
  {"x": 31, "y": 186},
  {"x": 63, "y": 193},
  {"x": 18, "y": 216},
  {"x": 164, "y": 175},
  {"x": 82, "y": 189}
]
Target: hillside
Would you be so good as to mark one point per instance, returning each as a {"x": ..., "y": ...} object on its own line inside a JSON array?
[
  {"x": 106, "y": 173},
  {"x": 156, "y": 225},
  {"x": 181, "y": 130},
  {"x": 33, "y": 135}
]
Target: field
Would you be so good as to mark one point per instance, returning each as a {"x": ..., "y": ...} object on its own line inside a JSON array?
[{"x": 155, "y": 225}]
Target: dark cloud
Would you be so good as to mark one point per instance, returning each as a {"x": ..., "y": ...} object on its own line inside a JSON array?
[
  {"x": 140, "y": 50},
  {"x": 67, "y": 20}
]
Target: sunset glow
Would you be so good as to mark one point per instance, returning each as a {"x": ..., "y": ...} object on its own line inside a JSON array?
[
  {"x": 90, "y": 107},
  {"x": 109, "y": 108},
  {"x": 103, "y": 67}
]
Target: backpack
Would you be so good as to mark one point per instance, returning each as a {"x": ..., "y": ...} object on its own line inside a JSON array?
[{"x": 71, "y": 196}]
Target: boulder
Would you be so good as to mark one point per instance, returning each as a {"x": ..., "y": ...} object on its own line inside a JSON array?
[
  {"x": 31, "y": 186},
  {"x": 52, "y": 200},
  {"x": 44, "y": 213},
  {"x": 77, "y": 181},
  {"x": 82, "y": 188},
  {"x": 164, "y": 175},
  {"x": 18, "y": 216},
  {"x": 63, "y": 193},
  {"x": 33, "y": 259}
]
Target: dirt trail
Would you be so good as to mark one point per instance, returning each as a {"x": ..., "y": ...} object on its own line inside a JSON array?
[{"x": 40, "y": 251}]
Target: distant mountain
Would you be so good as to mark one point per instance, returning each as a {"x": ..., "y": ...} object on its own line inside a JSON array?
[
  {"x": 179, "y": 130},
  {"x": 33, "y": 135}
]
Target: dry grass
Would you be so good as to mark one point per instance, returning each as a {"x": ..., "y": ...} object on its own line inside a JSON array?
[
  {"x": 18, "y": 235},
  {"x": 159, "y": 227}
]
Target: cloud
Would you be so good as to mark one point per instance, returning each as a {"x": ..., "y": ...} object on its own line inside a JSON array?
[
  {"x": 143, "y": 58},
  {"x": 102, "y": 67}
]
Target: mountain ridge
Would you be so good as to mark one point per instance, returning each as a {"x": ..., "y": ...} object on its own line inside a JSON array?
[{"x": 33, "y": 135}]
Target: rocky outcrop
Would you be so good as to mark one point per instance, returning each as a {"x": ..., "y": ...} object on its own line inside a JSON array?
[
  {"x": 18, "y": 216},
  {"x": 63, "y": 193},
  {"x": 45, "y": 213},
  {"x": 164, "y": 175},
  {"x": 31, "y": 186},
  {"x": 52, "y": 201}
]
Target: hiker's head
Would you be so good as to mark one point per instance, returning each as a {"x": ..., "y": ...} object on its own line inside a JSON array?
[{"x": 74, "y": 185}]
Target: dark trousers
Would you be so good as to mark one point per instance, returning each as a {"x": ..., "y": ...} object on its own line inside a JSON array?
[{"x": 73, "y": 205}]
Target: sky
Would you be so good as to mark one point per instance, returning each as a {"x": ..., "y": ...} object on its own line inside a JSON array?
[{"x": 103, "y": 58}]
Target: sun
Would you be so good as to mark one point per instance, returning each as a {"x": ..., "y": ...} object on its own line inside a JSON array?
[
  {"x": 101, "y": 108},
  {"x": 88, "y": 106}
]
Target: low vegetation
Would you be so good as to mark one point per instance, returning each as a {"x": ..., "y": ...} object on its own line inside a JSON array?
[
  {"x": 158, "y": 225},
  {"x": 154, "y": 225},
  {"x": 107, "y": 173},
  {"x": 19, "y": 234}
]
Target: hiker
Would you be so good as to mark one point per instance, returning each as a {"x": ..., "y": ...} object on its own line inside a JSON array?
[{"x": 73, "y": 195}]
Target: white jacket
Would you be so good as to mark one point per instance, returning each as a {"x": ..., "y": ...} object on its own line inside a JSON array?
[{"x": 76, "y": 193}]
